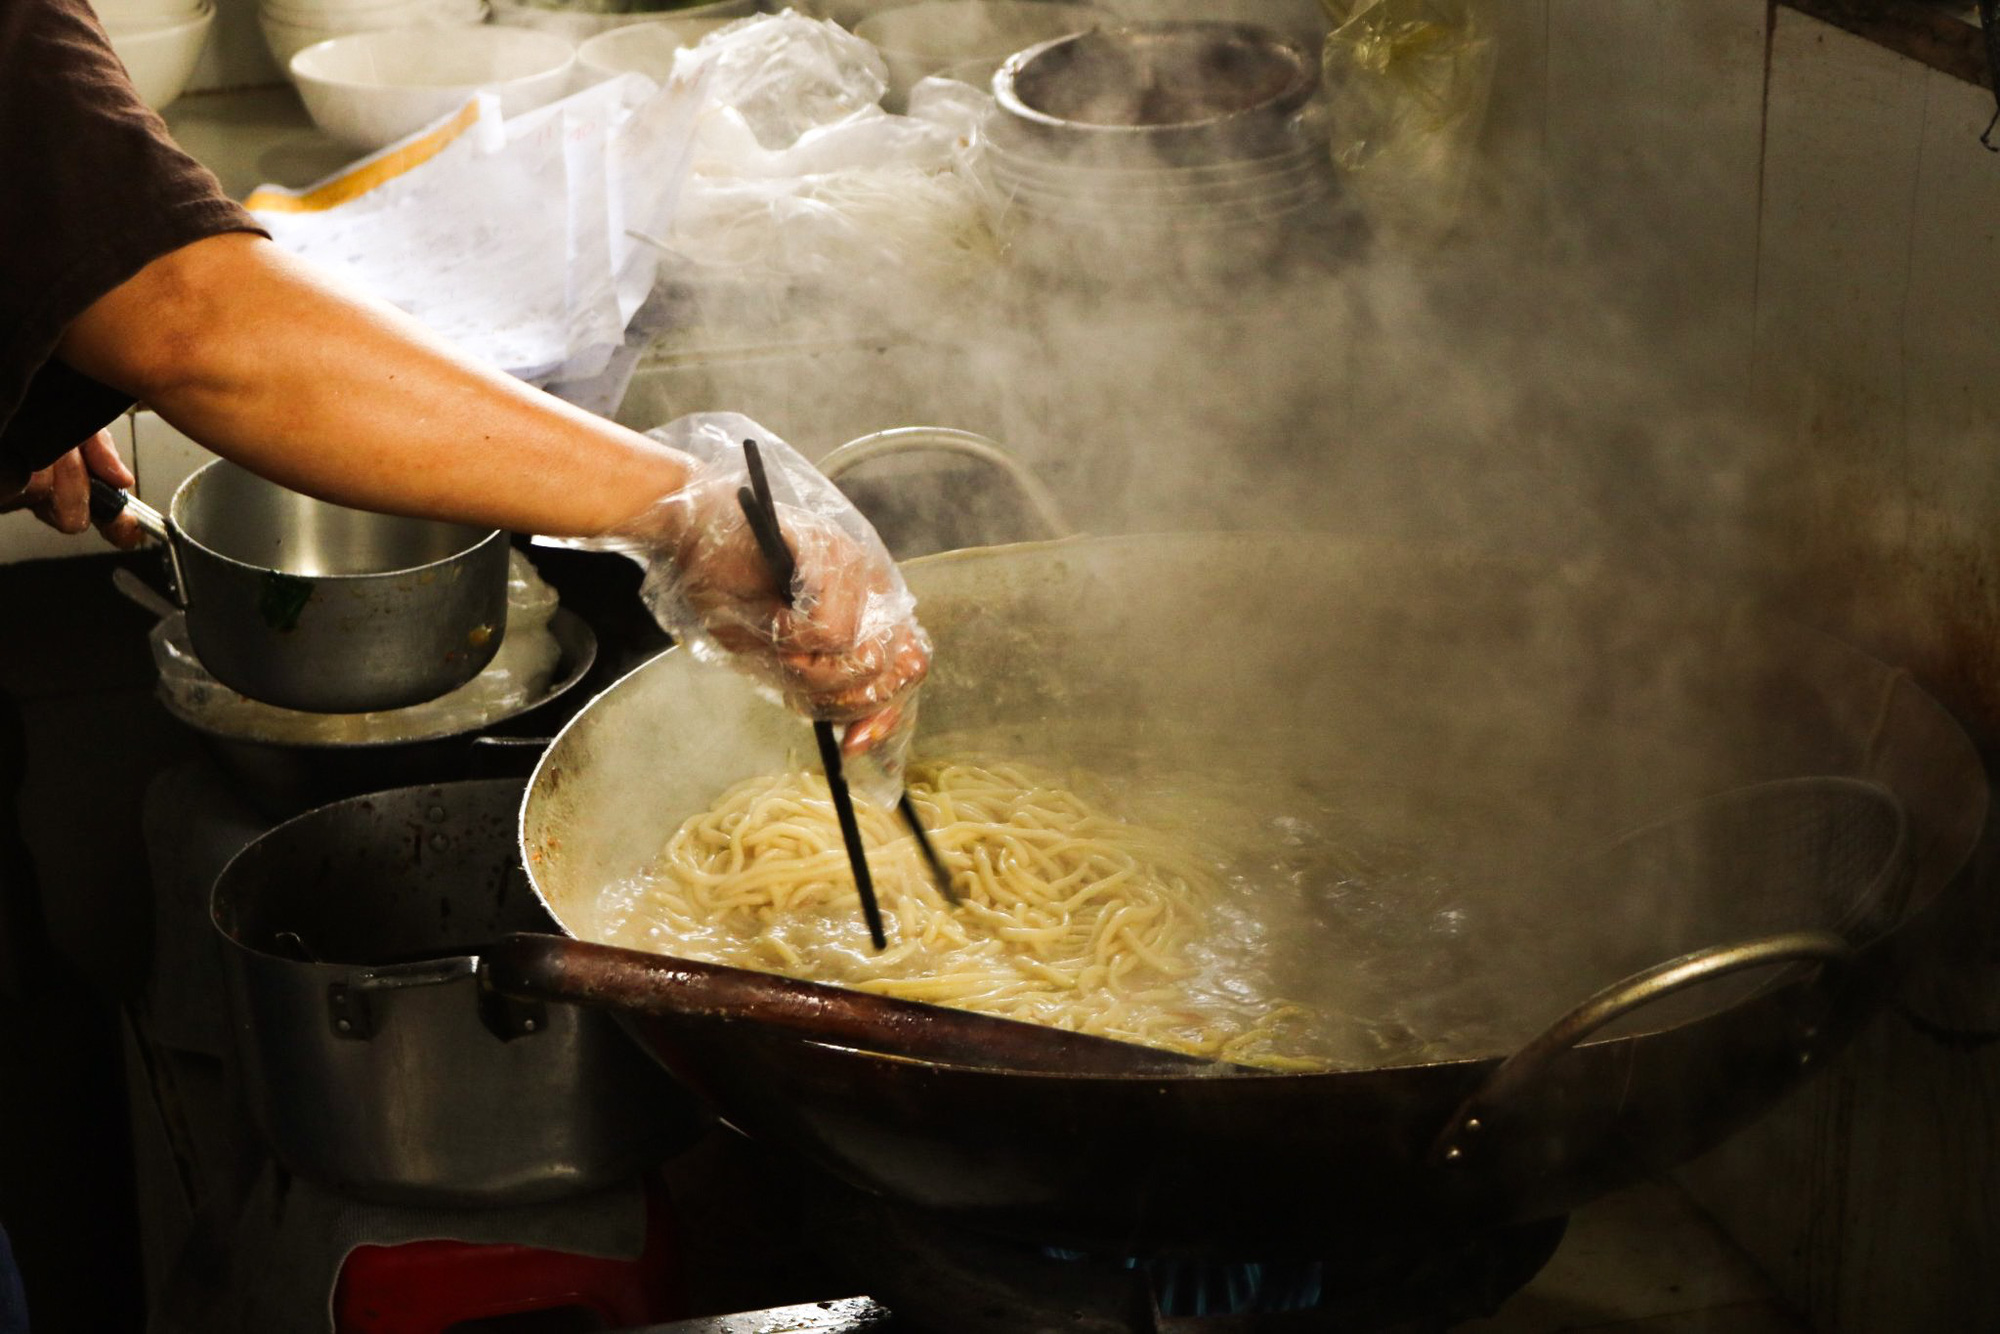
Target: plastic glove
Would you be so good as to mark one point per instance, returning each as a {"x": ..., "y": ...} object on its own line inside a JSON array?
[{"x": 847, "y": 650}]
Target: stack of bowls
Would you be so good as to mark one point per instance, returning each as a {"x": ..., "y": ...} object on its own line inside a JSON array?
[
  {"x": 966, "y": 39},
  {"x": 290, "y": 26},
  {"x": 1184, "y": 141},
  {"x": 369, "y": 89},
  {"x": 580, "y": 20},
  {"x": 641, "y": 48},
  {"x": 159, "y": 41}
]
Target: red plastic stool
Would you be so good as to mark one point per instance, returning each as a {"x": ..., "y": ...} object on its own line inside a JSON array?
[{"x": 427, "y": 1287}]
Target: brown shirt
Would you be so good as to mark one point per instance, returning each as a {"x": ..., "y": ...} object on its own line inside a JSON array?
[{"x": 91, "y": 190}]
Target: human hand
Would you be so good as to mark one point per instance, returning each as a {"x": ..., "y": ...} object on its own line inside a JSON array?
[
  {"x": 845, "y": 646},
  {"x": 59, "y": 495}
]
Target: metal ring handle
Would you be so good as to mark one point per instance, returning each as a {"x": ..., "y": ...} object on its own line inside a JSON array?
[
  {"x": 1616, "y": 1001},
  {"x": 419, "y": 973},
  {"x": 949, "y": 440}
]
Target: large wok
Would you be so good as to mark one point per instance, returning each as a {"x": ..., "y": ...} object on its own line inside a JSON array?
[{"x": 1590, "y": 701}]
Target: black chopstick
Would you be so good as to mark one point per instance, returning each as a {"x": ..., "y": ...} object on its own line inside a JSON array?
[
  {"x": 908, "y": 810},
  {"x": 760, "y": 508},
  {"x": 760, "y": 511}
]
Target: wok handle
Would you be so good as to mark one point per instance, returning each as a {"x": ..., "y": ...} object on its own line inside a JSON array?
[
  {"x": 1459, "y": 1140},
  {"x": 687, "y": 992}
]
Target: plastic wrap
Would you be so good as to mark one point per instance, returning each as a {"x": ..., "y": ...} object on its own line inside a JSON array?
[
  {"x": 1408, "y": 82},
  {"x": 519, "y": 675},
  {"x": 848, "y": 649},
  {"x": 784, "y": 74},
  {"x": 798, "y": 175}
]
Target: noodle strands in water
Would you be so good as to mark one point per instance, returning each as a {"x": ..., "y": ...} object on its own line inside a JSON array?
[{"x": 1070, "y": 916}]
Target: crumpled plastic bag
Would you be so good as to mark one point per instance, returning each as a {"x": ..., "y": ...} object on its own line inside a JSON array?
[
  {"x": 783, "y": 74},
  {"x": 1408, "y": 83},
  {"x": 806, "y": 502},
  {"x": 799, "y": 176},
  {"x": 518, "y": 675}
]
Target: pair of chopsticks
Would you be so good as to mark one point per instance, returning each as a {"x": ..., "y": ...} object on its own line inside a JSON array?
[{"x": 760, "y": 511}]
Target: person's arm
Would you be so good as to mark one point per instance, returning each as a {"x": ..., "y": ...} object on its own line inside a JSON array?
[
  {"x": 256, "y": 355},
  {"x": 263, "y": 360}
]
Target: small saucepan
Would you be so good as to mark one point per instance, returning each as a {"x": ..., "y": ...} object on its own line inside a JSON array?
[{"x": 313, "y": 606}]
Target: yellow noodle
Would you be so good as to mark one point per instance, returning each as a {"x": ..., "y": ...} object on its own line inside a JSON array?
[{"x": 1072, "y": 917}]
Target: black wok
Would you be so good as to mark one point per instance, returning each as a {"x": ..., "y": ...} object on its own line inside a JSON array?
[{"x": 1593, "y": 703}]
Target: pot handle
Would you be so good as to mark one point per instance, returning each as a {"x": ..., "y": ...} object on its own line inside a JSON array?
[
  {"x": 107, "y": 502},
  {"x": 948, "y": 440},
  {"x": 1459, "y": 1140},
  {"x": 347, "y": 1009}
]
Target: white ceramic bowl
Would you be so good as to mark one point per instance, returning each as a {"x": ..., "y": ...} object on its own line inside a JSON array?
[
  {"x": 642, "y": 48},
  {"x": 373, "y": 88},
  {"x": 160, "y": 54},
  {"x": 579, "y": 24},
  {"x": 290, "y": 26},
  {"x": 125, "y": 13},
  {"x": 967, "y": 39}
]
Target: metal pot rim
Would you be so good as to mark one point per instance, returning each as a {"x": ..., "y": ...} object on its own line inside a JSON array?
[
  {"x": 184, "y": 492},
  {"x": 1295, "y": 95}
]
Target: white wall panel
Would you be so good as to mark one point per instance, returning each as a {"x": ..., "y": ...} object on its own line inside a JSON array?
[
  {"x": 1653, "y": 126},
  {"x": 165, "y": 458},
  {"x": 1873, "y": 1197}
]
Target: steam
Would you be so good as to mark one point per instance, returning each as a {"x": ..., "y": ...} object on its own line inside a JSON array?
[
  {"x": 1507, "y": 379},
  {"x": 1491, "y": 382}
]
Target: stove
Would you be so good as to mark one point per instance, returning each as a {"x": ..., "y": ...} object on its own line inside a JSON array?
[{"x": 938, "y": 1277}]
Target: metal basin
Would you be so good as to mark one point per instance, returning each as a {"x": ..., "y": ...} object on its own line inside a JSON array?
[{"x": 372, "y": 1060}]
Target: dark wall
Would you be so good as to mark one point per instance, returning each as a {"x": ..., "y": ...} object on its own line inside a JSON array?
[{"x": 80, "y": 737}]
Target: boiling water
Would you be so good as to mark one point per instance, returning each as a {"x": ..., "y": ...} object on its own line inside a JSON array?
[{"x": 1398, "y": 921}]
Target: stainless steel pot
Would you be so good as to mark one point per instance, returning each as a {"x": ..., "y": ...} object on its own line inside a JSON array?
[
  {"x": 373, "y": 1061},
  {"x": 314, "y": 606}
]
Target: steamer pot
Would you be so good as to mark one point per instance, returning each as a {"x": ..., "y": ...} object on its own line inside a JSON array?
[{"x": 372, "y": 1060}]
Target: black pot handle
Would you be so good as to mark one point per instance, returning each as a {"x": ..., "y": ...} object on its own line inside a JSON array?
[{"x": 1461, "y": 1139}]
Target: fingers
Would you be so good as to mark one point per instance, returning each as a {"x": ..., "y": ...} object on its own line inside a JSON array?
[
  {"x": 847, "y": 650},
  {"x": 59, "y": 495},
  {"x": 861, "y": 684},
  {"x": 872, "y": 731},
  {"x": 31, "y": 493},
  {"x": 66, "y": 508},
  {"x": 101, "y": 460},
  {"x": 100, "y": 457},
  {"x": 123, "y": 532}
]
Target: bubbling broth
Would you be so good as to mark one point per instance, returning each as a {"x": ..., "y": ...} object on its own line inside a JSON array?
[{"x": 1285, "y": 925}]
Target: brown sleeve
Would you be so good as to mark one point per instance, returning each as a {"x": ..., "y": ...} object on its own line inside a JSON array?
[{"x": 91, "y": 191}]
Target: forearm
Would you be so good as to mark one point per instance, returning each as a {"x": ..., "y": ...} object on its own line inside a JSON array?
[{"x": 255, "y": 355}]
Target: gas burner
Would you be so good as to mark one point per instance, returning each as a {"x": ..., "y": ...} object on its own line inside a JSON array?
[{"x": 939, "y": 1277}]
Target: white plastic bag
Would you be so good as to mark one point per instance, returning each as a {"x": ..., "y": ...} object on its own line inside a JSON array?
[{"x": 798, "y": 176}]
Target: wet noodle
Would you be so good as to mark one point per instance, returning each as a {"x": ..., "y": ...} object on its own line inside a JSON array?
[{"x": 1072, "y": 916}]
